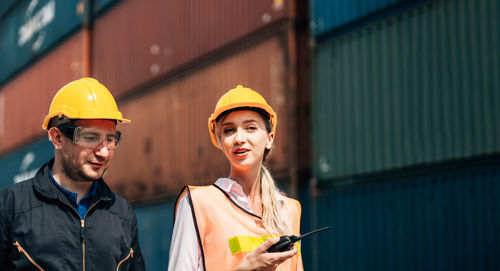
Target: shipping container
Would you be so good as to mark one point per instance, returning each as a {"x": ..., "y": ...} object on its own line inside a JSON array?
[
  {"x": 155, "y": 225},
  {"x": 331, "y": 16},
  {"x": 103, "y": 5},
  {"x": 438, "y": 219},
  {"x": 167, "y": 145},
  {"x": 5, "y": 5},
  {"x": 138, "y": 41},
  {"x": 25, "y": 101},
  {"x": 30, "y": 28},
  {"x": 418, "y": 88},
  {"x": 23, "y": 163}
]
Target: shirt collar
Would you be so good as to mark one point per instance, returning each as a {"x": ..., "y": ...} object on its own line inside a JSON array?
[
  {"x": 72, "y": 196},
  {"x": 232, "y": 187}
]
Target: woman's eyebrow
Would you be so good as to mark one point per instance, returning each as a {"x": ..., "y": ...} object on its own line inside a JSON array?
[
  {"x": 250, "y": 120},
  {"x": 245, "y": 121}
]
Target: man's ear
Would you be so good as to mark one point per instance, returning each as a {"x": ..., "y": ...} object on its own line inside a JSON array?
[{"x": 55, "y": 135}]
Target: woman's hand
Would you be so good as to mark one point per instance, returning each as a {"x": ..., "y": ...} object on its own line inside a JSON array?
[{"x": 261, "y": 260}]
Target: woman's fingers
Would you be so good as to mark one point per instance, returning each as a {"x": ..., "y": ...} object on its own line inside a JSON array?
[
  {"x": 267, "y": 244},
  {"x": 282, "y": 256},
  {"x": 260, "y": 259}
]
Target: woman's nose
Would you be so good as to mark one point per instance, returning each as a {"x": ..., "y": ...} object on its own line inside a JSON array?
[{"x": 239, "y": 136}]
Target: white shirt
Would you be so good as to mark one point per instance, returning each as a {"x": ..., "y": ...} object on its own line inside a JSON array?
[{"x": 185, "y": 253}]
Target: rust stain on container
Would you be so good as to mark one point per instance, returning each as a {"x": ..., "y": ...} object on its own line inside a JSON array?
[
  {"x": 138, "y": 42},
  {"x": 167, "y": 145},
  {"x": 27, "y": 98}
]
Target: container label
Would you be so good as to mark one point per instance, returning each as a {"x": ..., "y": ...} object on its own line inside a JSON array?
[{"x": 35, "y": 23}]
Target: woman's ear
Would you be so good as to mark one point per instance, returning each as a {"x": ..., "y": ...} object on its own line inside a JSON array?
[
  {"x": 55, "y": 136},
  {"x": 270, "y": 140}
]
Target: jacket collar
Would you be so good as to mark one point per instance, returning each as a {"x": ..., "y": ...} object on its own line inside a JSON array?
[{"x": 45, "y": 187}]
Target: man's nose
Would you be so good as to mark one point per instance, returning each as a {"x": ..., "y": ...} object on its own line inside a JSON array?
[{"x": 102, "y": 150}]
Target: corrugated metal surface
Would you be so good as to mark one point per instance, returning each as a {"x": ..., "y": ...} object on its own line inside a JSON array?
[
  {"x": 139, "y": 40},
  {"x": 23, "y": 163},
  {"x": 167, "y": 144},
  {"x": 418, "y": 88},
  {"x": 31, "y": 28},
  {"x": 155, "y": 224},
  {"x": 443, "y": 221},
  {"x": 327, "y": 15},
  {"x": 26, "y": 99}
]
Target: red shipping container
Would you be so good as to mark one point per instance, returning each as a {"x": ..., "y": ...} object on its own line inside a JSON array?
[
  {"x": 139, "y": 40},
  {"x": 167, "y": 145}
]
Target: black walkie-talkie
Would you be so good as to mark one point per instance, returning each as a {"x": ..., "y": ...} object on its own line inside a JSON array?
[{"x": 286, "y": 241}]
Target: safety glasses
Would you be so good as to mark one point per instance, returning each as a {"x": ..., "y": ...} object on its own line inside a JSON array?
[{"x": 90, "y": 137}]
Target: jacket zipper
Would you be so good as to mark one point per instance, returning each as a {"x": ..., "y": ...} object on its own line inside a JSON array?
[
  {"x": 82, "y": 227},
  {"x": 130, "y": 255},
  {"x": 21, "y": 250}
]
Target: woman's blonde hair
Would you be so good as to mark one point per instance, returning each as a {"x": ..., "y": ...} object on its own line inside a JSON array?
[{"x": 274, "y": 213}]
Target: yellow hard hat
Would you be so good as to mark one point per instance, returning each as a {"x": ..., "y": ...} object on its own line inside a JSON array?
[
  {"x": 85, "y": 98},
  {"x": 236, "y": 98}
]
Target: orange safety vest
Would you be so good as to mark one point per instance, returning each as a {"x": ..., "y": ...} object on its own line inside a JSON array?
[{"x": 219, "y": 222}]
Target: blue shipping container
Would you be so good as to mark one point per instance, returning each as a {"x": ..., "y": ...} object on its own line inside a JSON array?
[
  {"x": 155, "y": 224},
  {"x": 440, "y": 221}
]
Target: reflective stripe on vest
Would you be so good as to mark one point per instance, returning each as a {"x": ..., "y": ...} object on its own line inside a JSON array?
[{"x": 248, "y": 243}]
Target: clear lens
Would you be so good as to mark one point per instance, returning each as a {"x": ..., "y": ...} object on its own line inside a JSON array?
[{"x": 90, "y": 137}]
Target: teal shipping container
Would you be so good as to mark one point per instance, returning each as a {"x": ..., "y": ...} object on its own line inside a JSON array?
[
  {"x": 23, "y": 163},
  {"x": 29, "y": 29},
  {"x": 446, "y": 219},
  {"x": 102, "y": 5},
  {"x": 417, "y": 88},
  {"x": 328, "y": 16},
  {"x": 155, "y": 223},
  {"x": 5, "y": 5}
]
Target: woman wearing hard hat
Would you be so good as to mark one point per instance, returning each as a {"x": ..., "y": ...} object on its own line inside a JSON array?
[{"x": 231, "y": 224}]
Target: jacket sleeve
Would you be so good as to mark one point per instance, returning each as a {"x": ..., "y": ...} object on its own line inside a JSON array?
[
  {"x": 138, "y": 263},
  {"x": 4, "y": 239}
]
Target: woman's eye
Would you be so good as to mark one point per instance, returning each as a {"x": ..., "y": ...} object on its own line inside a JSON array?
[
  {"x": 251, "y": 128},
  {"x": 228, "y": 130}
]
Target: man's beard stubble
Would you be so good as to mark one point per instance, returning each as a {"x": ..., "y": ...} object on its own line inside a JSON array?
[{"x": 77, "y": 174}]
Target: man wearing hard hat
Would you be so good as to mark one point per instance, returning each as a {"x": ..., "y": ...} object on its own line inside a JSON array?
[{"x": 66, "y": 217}]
